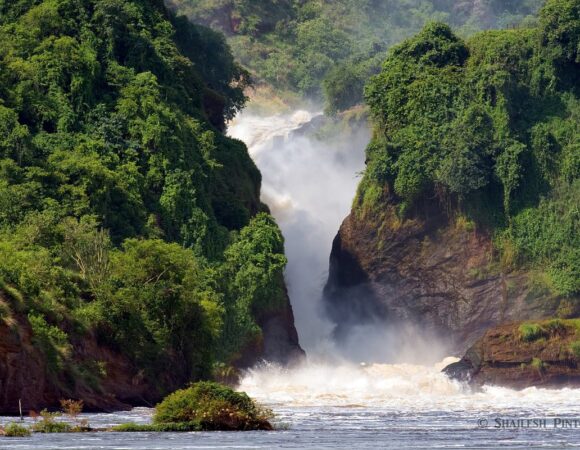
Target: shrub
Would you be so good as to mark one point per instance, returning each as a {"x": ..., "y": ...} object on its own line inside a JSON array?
[
  {"x": 51, "y": 339},
  {"x": 15, "y": 430},
  {"x": 51, "y": 427},
  {"x": 530, "y": 332},
  {"x": 48, "y": 424},
  {"x": 72, "y": 408},
  {"x": 537, "y": 364},
  {"x": 213, "y": 407}
]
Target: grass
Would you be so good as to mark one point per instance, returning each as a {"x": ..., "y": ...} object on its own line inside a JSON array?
[
  {"x": 51, "y": 427},
  {"x": 367, "y": 199},
  {"x": 16, "y": 430},
  {"x": 508, "y": 253},
  {"x": 158, "y": 428},
  {"x": 530, "y": 332},
  {"x": 555, "y": 326},
  {"x": 575, "y": 349},
  {"x": 463, "y": 223},
  {"x": 534, "y": 331}
]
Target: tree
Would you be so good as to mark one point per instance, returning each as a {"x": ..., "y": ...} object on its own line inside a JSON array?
[
  {"x": 560, "y": 21},
  {"x": 88, "y": 247}
]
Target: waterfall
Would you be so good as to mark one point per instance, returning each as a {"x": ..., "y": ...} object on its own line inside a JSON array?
[{"x": 309, "y": 184}]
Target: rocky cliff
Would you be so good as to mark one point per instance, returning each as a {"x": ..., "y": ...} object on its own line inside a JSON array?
[
  {"x": 466, "y": 216},
  {"x": 432, "y": 271},
  {"x": 523, "y": 354}
]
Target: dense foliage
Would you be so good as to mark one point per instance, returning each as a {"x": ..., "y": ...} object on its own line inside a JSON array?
[
  {"x": 490, "y": 128},
  {"x": 213, "y": 407},
  {"x": 295, "y": 44},
  {"x": 205, "y": 406},
  {"x": 125, "y": 213}
]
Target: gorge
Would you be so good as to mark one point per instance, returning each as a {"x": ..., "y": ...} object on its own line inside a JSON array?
[{"x": 372, "y": 228}]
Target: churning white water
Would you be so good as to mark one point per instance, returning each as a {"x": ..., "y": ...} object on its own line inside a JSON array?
[{"x": 395, "y": 388}]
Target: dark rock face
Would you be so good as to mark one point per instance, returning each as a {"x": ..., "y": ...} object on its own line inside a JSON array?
[
  {"x": 279, "y": 341},
  {"x": 429, "y": 271},
  {"x": 502, "y": 358},
  {"x": 22, "y": 371}
]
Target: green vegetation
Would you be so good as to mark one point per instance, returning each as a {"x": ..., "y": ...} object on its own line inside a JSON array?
[
  {"x": 575, "y": 349},
  {"x": 205, "y": 406},
  {"x": 214, "y": 407},
  {"x": 157, "y": 428},
  {"x": 538, "y": 364},
  {"x": 530, "y": 332},
  {"x": 488, "y": 129},
  {"x": 126, "y": 215},
  {"x": 49, "y": 424},
  {"x": 535, "y": 331},
  {"x": 15, "y": 430},
  {"x": 316, "y": 47}
]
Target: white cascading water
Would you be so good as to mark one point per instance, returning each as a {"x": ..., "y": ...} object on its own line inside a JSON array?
[{"x": 309, "y": 186}]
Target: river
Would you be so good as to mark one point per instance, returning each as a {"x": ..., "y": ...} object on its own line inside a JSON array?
[
  {"x": 335, "y": 400},
  {"x": 346, "y": 406}
]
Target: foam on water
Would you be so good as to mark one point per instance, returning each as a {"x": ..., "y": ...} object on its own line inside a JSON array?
[{"x": 396, "y": 387}]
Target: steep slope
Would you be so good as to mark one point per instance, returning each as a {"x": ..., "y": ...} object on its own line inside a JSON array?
[
  {"x": 135, "y": 254},
  {"x": 467, "y": 215}
]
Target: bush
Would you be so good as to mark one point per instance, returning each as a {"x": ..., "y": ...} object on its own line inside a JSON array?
[
  {"x": 575, "y": 349},
  {"x": 48, "y": 424},
  {"x": 15, "y": 430},
  {"x": 530, "y": 332},
  {"x": 51, "y": 427},
  {"x": 213, "y": 407}
]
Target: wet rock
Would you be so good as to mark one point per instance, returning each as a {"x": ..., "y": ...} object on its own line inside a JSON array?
[
  {"x": 507, "y": 356},
  {"x": 279, "y": 340}
]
